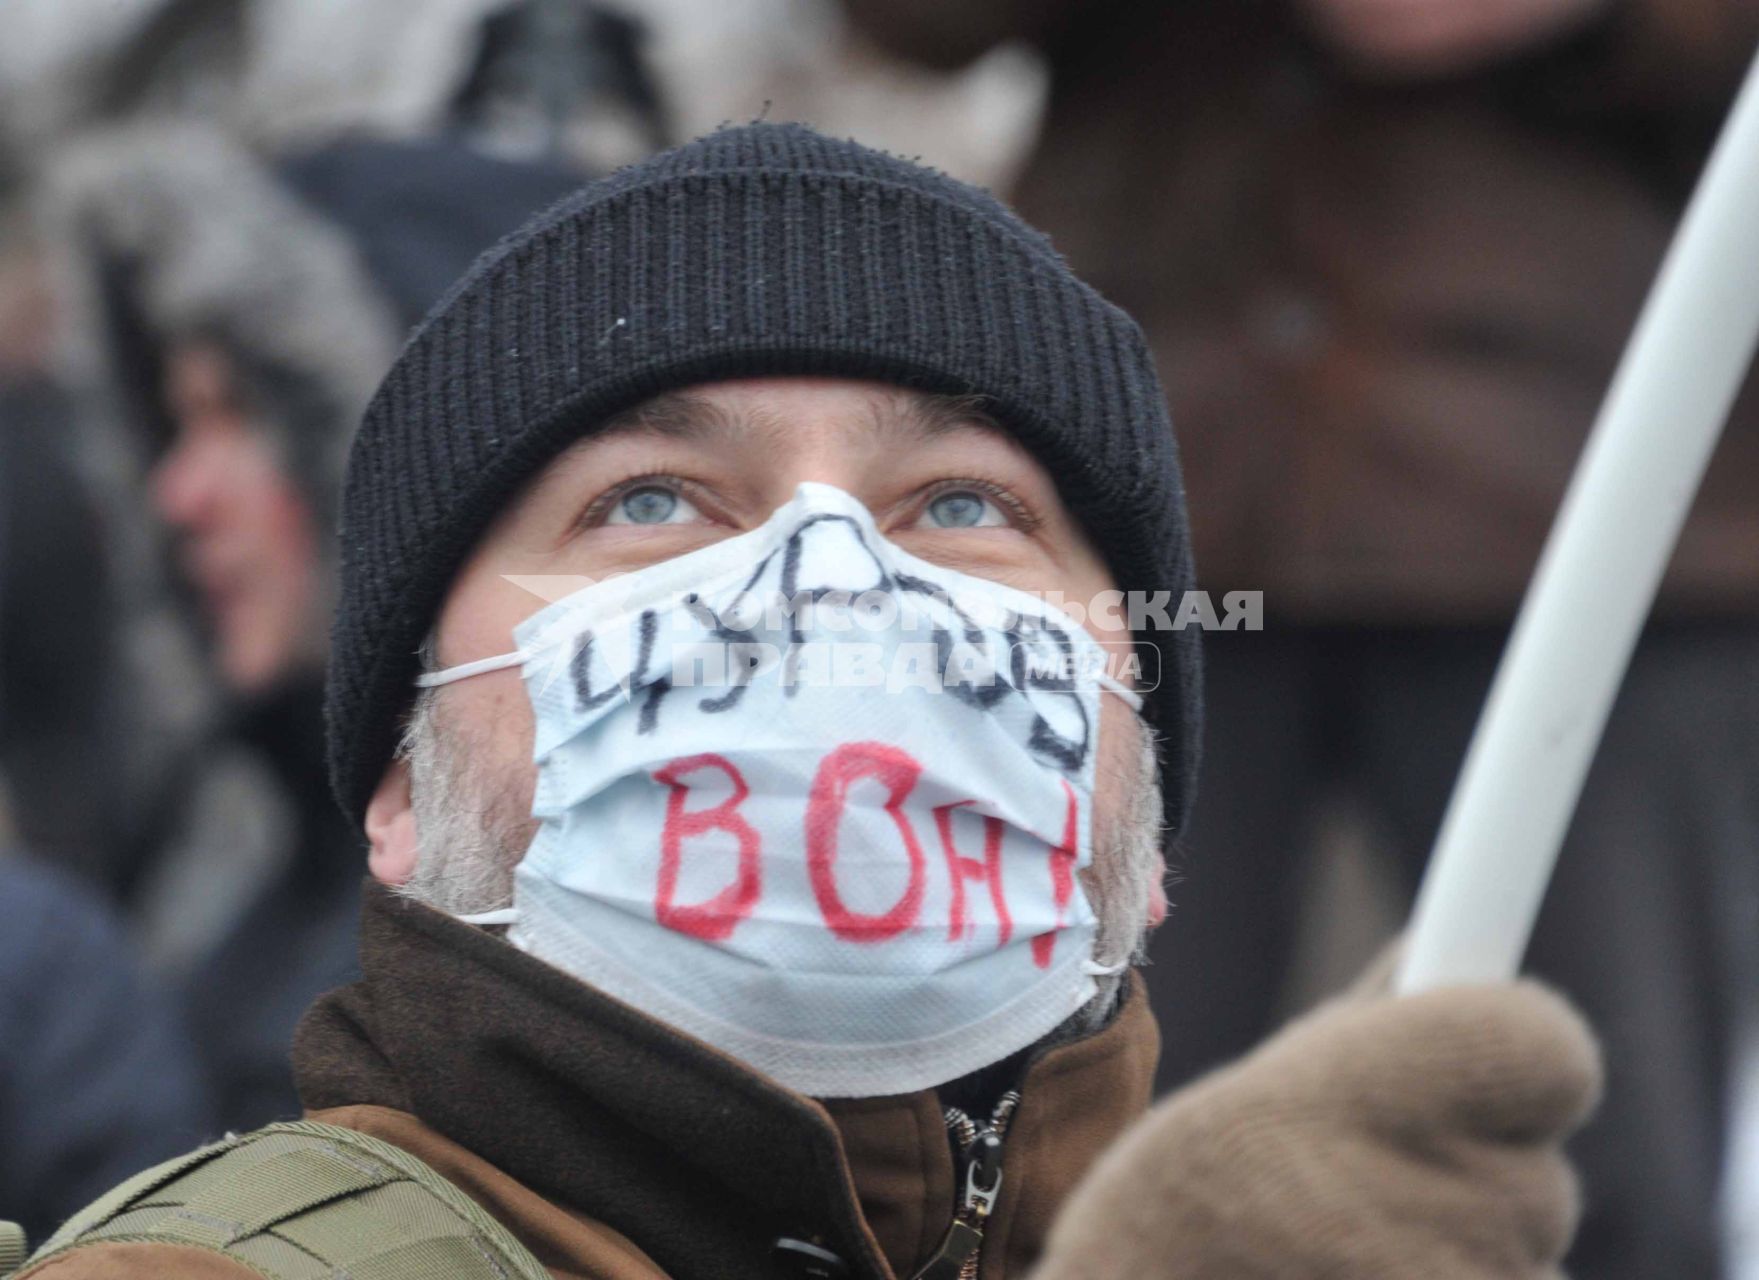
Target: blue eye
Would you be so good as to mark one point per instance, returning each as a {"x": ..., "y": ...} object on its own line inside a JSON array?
[
  {"x": 963, "y": 509},
  {"x": 651, "y": 504}
]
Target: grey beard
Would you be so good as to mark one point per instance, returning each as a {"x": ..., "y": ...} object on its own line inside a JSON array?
[
  {"x": 472, "y": 837},
  {"x": 471, "y": 834},
  {"x": 1126, "y": 864}
]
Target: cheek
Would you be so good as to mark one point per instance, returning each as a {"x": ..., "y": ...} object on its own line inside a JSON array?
[
  {"x": 498, "y": 715},
  {"x": 1120, "y": 745},
  {"x": 265, "y": 508},
  {"x": 479, "y": 616},
  {"x": 1120, "y": 770},
  {"x": 288, "y": 543}
]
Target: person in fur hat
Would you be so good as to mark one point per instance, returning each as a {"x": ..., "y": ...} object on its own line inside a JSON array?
[{"x": 238, "y": 313}]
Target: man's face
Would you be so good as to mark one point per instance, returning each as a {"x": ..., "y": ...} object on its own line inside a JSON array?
[
  {"x": 689, "y": 469},
  {"x": 245, "y": 536}
]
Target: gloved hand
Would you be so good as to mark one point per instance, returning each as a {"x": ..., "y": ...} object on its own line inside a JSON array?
[{"x": 1375, "y": 1137}]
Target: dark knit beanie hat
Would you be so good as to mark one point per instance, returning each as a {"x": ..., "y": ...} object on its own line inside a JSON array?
[{"x": 759, "y": 250}]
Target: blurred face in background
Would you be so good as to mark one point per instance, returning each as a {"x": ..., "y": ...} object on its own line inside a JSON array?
[
  {"x": 245, "y": 533},
  {"x": 27, "y": 310}
]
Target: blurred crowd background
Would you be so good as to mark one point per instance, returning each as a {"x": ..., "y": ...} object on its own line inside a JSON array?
[{"x": 1386, "y": 253}]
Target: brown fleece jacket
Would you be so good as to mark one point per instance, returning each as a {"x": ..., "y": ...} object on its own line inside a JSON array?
[{"x": 615, "y": 1147}]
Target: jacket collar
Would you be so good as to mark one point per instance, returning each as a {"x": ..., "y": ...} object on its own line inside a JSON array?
[{"x": 696, "y": 1158}]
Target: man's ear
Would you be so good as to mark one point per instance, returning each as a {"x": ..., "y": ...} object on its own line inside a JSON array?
[{"x": 390, "y": 827}]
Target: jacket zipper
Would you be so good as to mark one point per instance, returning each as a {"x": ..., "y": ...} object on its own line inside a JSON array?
[{"x": 980, "y": 1150}]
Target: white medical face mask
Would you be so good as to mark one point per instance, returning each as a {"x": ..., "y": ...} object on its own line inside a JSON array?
[{"x": 838, "y": 841}]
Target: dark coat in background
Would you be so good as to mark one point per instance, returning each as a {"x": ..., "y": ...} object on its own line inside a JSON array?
[
  {"x": 59, "y": 751},
  {"x": 98, "y": 1079}
]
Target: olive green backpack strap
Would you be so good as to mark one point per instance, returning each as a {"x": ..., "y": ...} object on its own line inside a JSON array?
[
  {"x": 12, "y": 1247},
  {"x": 307, "y": 1201}
]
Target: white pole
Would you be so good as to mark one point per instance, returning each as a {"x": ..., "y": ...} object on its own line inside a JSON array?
[{"x": 1596, "y": 580}]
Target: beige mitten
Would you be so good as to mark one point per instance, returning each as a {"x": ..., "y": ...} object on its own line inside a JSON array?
[{"x": 1382, "y": 1137}]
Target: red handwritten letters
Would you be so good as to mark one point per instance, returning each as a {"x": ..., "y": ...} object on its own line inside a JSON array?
[
  {"x": 897, "y": 772},
  {"x": 715, "y": 919}
]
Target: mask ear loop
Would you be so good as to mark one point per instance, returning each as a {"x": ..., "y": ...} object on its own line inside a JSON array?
[
  {"x": 464, "y": 670},
  {"x": 501, "y": 915},
  {"x": 1111, "y": 684}
]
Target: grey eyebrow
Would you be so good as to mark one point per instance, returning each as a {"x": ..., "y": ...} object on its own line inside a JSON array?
[
  {"x": 934, "y": 415},
  {"x": 676, "y": 415}
]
